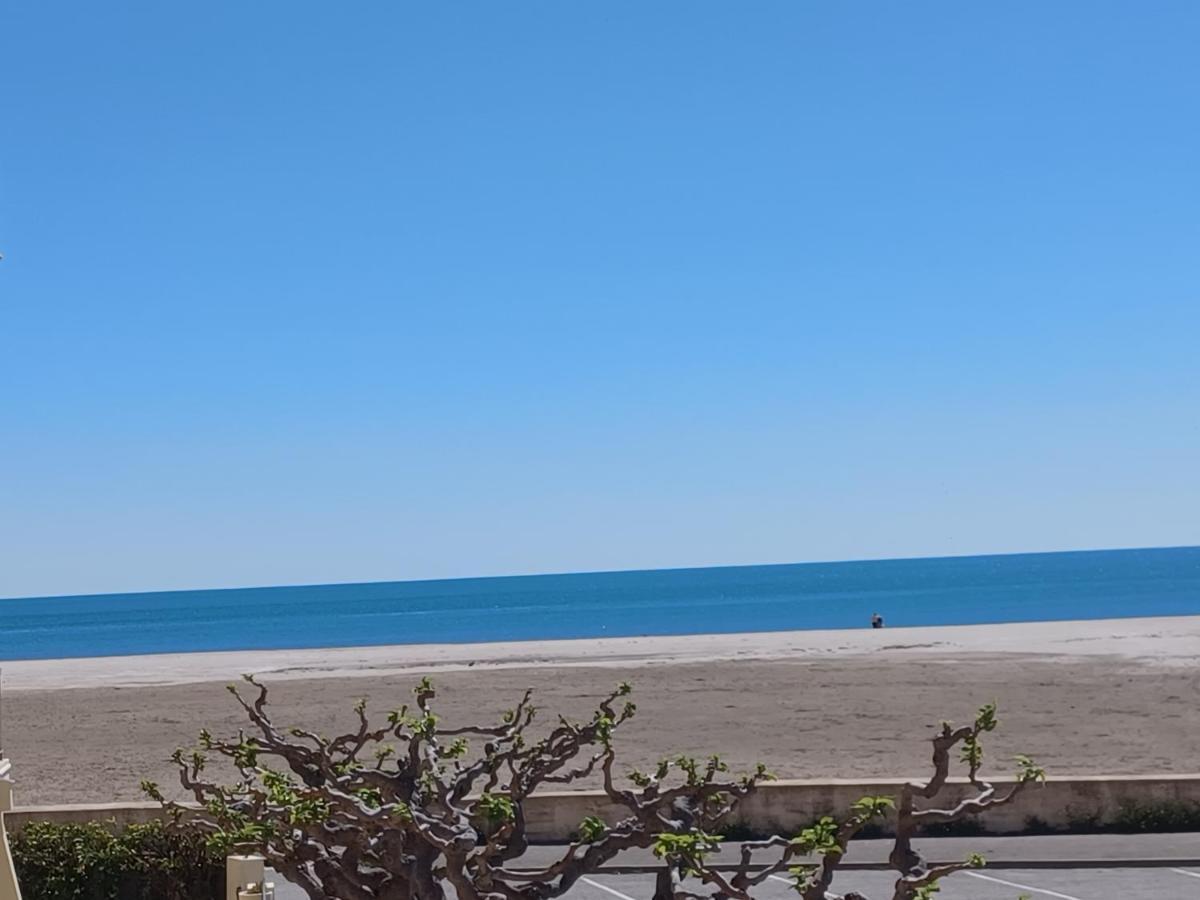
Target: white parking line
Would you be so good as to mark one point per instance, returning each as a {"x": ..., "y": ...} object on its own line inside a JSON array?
[
  {"x": 1186, "y": 872},
  {"x": 1023, "y": 887},
  {"x": 605, "y": 887}
]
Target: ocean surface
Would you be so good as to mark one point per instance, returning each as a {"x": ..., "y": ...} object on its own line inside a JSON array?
[{"x": 942, "y": 591}]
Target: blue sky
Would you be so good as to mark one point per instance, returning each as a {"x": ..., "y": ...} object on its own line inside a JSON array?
[{"x": 300, "y": 293}]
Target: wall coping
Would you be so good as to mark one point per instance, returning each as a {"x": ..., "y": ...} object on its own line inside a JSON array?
[{"x": 1051, "y": 778}]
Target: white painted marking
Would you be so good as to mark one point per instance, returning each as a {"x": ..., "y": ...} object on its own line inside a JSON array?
[
  {"x": 781, "y": 878},
  {"x": 1023, "y": 887},
  {"x": 605, "y": 887},
  {"x": 1186, "y": 872}
]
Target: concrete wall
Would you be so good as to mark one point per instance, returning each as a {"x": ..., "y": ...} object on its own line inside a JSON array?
[
  {"x": 119, "y": 814},
  {"x": 784, "y": 805}
]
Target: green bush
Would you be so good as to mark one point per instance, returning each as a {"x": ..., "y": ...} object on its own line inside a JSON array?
[
  {"x": 91, "y": 862},
  {"x": 1157, "y": 818}
]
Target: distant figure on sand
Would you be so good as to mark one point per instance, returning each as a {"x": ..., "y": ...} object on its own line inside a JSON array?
[{"x": 876, "y": 620}]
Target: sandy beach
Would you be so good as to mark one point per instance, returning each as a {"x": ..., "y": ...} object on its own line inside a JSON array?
[{"x": 1099, "y": 697}]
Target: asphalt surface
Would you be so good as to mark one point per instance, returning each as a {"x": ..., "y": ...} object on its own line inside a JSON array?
[{"x": 1102, "y": 867}]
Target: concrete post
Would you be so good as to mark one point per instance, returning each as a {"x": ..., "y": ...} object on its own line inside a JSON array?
[
  {"x": 244, "y": 879},
  {"x": 9, "y": 889}
]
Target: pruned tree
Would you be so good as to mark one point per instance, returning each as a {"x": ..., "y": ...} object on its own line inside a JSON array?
[
  {"x": 915, "y": 873},
  {"x": 402, "y": 810},
  {"x": 399, "y": 810},
  {"x": 812, "y": 858}
]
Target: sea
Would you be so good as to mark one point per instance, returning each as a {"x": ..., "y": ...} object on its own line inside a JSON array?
[{"x": 960, "y": 590}]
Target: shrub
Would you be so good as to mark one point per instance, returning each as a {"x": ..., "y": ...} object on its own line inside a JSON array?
[
  {"x": 1036, "y": 825},
  {"x": 1157, "y": 817},
  {"x": 92, "y": 862}
]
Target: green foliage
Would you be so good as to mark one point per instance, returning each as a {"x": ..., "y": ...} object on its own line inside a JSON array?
[
  {"x": 802, "y": 876},
  {"x": 819, "y": 838},
  {"x": 868, "y": 808},
  {"x": 496, "y": 808},
  {"x": 686, "y": 850},
  {"x": 370, "y": 797},
  {"x": 927, "y": 892},
  {"x": 304, "y": 807},
  {"x": 591, "y": 829},
  {"x": 402, "y": 812},
  {"x": 238, "y": 831},
  {"x": 143, "y": 862},
  {"x": 1150, "y": 817},
  {"x": 457, "y": 749},
  {"x": 1082, "y": 821},
  {"x": 1159, "y": 817},
  {"x": 971, "y": 753},
  {"x": 985, "y": 719},
  {"x": 1028, "y": 770},
  {"x": 761, "y": 773},
  {"x": 246, "y": 755},
  {"x": 604, "y": 726}
]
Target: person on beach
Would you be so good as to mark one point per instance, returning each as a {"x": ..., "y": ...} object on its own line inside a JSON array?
[{"x": 876, "y": 620}]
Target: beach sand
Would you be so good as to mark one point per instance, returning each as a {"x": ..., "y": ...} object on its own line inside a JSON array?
[{"x": 1100, "y": 697}]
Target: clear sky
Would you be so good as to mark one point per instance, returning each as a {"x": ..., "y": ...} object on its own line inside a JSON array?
[{"x": 348, "y": 292}]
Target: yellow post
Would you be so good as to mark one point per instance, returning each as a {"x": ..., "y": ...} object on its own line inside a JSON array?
[{"x": 9, "y": 889}]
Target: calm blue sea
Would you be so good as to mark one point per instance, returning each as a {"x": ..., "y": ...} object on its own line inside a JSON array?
[{"x": 945, "y": 591}]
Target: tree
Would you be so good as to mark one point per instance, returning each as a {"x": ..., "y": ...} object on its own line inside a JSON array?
[
  {"x": 823, "y": 845},
  {"x": 399, "y": 811}
]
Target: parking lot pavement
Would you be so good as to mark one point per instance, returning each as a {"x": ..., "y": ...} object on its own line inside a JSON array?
[
  {"x": 1158, "y": 883},
  {"x": 1052, "y": 867},
  {"x": 1079, "y": 851},
  {"x": 1152, "y": 883},
  {"x": 283, "y": 890}
]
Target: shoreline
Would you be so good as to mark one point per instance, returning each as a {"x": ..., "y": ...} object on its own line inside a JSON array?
[{"x": 1167, "y": 641}]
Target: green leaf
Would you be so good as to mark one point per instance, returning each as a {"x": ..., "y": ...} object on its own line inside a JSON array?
[
  {"x": 591, "y": 829},
  {"x": 873, "y": 807},
  {"x": 819, "y": 838},
  {"x": 496, "y": 808},
  {"x": 985, "y": 719},
  {"x": 1028, "y": 770},
  {"x": 686, "y": 850}
]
